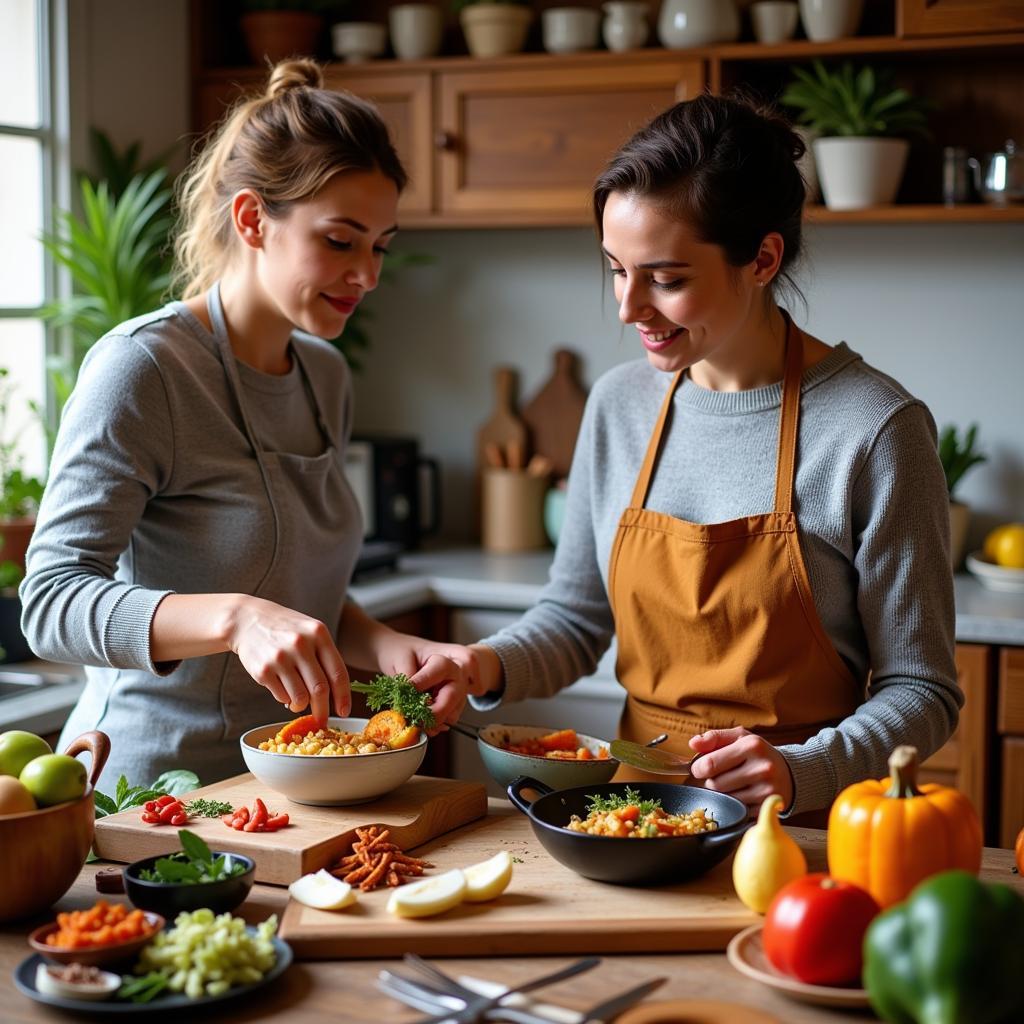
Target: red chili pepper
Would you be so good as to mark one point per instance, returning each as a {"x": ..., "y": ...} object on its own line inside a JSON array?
[
  {"x": 166, "y": 799},
  {"x": 259, "y": 816},
  {"x": 243, "y": 813},
  {"x": 151, "y": 805},
  {"x": 168, "y": 811},
  {"x": 150, "y": 818},
  {"x": 179, "y": 819},
  {"x": 276, "y": 822}
]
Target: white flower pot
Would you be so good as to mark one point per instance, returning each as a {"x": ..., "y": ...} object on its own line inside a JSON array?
[
  {"x": 859, "y": 172},
  {"x": 415, "y": 30},
  {"x": 830, "y": 19},
  {"x": 686, "y": 23},
  {"x": 570, "y": 29},
  {"x": 492, "y": 30}
]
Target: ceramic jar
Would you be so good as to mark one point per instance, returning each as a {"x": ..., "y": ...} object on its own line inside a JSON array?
[
  {"x": 686, "y": 23},
  {"x": 625, "y": 25},
  {"x": 570, "y": 29},
  {"x": 824, "y": 20},
  {"x": 415, "y": 30}
]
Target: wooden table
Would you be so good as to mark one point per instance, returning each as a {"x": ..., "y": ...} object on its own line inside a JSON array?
[{"x": 313, "y": 992}]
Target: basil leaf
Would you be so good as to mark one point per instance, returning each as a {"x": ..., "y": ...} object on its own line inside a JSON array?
[
  {"x": 177, "y": 782},
  {"x": 169, "y": 870},
  {"x": 104, "y": 805},
  {"x": 120, "y": 791},
  {"x": 194, "y": 847}
]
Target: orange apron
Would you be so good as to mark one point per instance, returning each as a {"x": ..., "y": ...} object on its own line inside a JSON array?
[{"x": 716, "y": 624}]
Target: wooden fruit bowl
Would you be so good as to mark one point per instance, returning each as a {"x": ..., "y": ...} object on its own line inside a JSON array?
[{"x": 42, "y": 852}]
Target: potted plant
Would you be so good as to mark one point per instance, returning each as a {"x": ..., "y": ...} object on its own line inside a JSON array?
[
  {"x": 494, "y": 27},
  {"x": 957, "y": 457},
  {"x": 19, "y": 494},
  {"x": 277, "y": 29},
  {"x": 858, "y": 118}
]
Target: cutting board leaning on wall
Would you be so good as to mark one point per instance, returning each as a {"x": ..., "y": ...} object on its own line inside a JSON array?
[{"x": 554, "y": 414}]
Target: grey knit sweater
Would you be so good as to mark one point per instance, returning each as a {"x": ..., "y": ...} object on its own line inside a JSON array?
[{"x": 872, "y": 508}]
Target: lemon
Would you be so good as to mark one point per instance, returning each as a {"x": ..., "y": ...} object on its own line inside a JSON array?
[
  {"x": 488, "y": 879},
  {"x": 429, "y": 896},
  {"x": 991, "y": 540},
  {"x": 1007, "y": 546},
  {"x": 322, "y": 891}
]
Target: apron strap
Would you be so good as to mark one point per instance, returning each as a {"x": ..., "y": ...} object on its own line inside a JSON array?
[
  {"x": 789, "y": 419},
  {"x": 643, "y": 480}
]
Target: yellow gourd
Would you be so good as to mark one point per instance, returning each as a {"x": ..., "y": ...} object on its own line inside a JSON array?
[{"x": 766, "y": 859}]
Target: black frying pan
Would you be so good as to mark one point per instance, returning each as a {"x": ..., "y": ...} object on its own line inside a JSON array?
[{"x": 632, "y": 861}]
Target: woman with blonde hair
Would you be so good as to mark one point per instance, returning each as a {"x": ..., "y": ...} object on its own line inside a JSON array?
[{"x": 197, "y": 534}]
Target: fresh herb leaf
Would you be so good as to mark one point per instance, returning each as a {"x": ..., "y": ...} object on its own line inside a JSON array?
[
  {"x": 203, "y": 808},
  {"x": 383, "y": 692},
  {"x": 171, "y": 869},
  {"x": 143, "y": 989},
  {"x": 177, "y": 782},
  {"x": 616, "y": 801},
  {"x": 104, "y": 805},
  {"x": 194, "y": 846},
  {"x": 121, "y": 791}
]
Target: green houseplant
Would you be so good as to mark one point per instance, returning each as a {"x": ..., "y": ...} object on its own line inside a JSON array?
[
  {"x": 859, "y": 120},
  {"x": 957, "y": 457},
  {"x": 493, "y": 27}
]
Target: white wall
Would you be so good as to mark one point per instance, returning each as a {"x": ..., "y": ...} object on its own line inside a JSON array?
[{"x": 941, "y": 308}]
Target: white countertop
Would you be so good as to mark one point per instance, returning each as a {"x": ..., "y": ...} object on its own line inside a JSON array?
[{"x": 471, "y": 578}]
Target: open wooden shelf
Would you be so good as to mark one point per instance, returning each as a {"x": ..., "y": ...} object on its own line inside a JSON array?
[{"x": 969, "y": 213}]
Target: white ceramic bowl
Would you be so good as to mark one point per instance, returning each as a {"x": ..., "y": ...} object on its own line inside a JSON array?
[
  {"x": 357, "y": 41},
  {"x": 330, "y": 781},
  {"x": 995, "y": 577}
]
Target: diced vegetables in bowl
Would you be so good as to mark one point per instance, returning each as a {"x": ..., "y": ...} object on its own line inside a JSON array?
[{"x": 560, "y": 758}]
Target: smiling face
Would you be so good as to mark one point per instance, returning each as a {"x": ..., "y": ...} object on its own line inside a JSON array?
[
  {"x": 687, "y": 303},
  {"x": 318, "y": 261}
]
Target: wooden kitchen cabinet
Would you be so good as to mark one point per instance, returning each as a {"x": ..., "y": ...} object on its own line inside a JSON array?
[
  {"x": 964, "y": 761},
  {"x": 958, "y": 17},
  {"x": 1010, "y": 725}
]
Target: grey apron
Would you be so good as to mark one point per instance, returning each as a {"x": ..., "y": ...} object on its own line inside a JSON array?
[{"x": 307, "y": 522}]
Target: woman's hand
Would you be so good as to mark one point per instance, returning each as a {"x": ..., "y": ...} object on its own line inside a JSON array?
[
  {"x": 291, "y": 654},
  {"x": 448, "y": 670},
  {"x": 742, "y": 764}
]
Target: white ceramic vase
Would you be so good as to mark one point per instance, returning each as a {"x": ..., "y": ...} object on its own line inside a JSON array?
[
  {"x": 570, "y": 29},
  {"x": 686, "y": 23},
  {"x": 824, "y": 20},
  {"x": 625, "y": 25},
  {"x": 415, "y": 30},
  {"x": 856, "y": 173},
  {"x": 774, "y": 21},
  {"x": 494, "y": 29}
]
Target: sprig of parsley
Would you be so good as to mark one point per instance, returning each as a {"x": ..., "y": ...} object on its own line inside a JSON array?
[
  {"x": 616, "y": 801},
  {"x": 384, "y": 692}
]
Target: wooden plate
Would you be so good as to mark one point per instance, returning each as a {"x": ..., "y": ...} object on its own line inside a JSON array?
[
  {"x": 685, "y": 1011},
  {"x": 746, "y": 954}
]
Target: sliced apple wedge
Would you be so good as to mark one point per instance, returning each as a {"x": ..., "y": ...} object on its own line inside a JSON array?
[
  {"x": 430, "y": 896},
  {"x": 322, "y": 891},
  {"x": 488, "y": 879}
]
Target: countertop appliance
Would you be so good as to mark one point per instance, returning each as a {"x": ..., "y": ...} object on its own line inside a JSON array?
[{"x": 399, "y": 495}]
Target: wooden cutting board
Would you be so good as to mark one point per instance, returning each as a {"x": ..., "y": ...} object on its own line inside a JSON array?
[
  {"x": 554, "y": 414},
  {"x": 505, "y": 428},
  {"x": 546, "y": 909},
  {"x": 317, "y": 837}
]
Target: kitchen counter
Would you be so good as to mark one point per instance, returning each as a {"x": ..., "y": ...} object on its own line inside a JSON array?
[
  {"x": 472, "y": 578},
  {"x": 314, "y": 991}
]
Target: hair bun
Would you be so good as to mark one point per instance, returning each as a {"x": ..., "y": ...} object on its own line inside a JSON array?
[{"x": 294, "y": 74}]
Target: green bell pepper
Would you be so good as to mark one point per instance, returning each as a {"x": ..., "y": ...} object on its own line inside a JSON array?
[{"x": 952, "y": 953}]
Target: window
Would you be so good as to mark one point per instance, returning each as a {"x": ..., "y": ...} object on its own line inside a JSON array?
[{"x": 29, "y": 135}]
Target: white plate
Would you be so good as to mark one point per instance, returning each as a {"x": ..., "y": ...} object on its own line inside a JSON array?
[
  {"x": 746, "y": 953},
  {"x": 995, "y": 577}
]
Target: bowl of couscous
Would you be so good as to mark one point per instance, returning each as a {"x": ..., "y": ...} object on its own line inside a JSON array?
[{"x": 332, "y": 766}]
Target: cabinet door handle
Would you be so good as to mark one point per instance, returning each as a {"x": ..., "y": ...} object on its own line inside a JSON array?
[{"x": 445, "y": 141}]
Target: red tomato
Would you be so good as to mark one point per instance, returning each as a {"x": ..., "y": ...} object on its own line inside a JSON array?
[{"x": 814, "y": 929}]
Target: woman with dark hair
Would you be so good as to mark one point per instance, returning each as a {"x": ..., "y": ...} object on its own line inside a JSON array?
[
  {"x": 758, "y": 518},
  {"x": 197, "y": 535}
]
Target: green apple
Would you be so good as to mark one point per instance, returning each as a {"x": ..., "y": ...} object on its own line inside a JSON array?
[
  {"x": 54, "y": 779},
  {"x": 17, "y": 748}
]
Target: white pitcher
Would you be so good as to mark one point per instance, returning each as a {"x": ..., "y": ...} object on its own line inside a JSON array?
[{"x": 625, "y": 24}]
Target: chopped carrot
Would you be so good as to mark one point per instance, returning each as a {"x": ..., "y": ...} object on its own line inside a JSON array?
[
  {"x": 298, "y": 728},
  {"x": 405, "y": 737},
  {"x": 383, "y": 726},
  {"x": 564, "y": 739}
]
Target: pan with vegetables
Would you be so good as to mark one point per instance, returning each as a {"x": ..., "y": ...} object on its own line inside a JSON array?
[{"x": 633, "y": 834}]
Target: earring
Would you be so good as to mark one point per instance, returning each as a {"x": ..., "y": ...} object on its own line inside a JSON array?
[{"x": 761, "y": 284}]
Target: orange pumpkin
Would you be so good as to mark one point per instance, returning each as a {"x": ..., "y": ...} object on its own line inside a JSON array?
[
  {"x": 1018, "y": 852},
  {"x": 888, "y": 835}
]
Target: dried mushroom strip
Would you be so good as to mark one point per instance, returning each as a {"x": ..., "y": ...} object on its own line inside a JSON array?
[{"x": 374, "y": 861}]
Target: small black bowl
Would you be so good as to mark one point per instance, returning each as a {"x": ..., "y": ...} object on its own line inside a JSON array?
[
  {"x": 632, "y": 861},
  {"x": 171, "y": 898}
]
